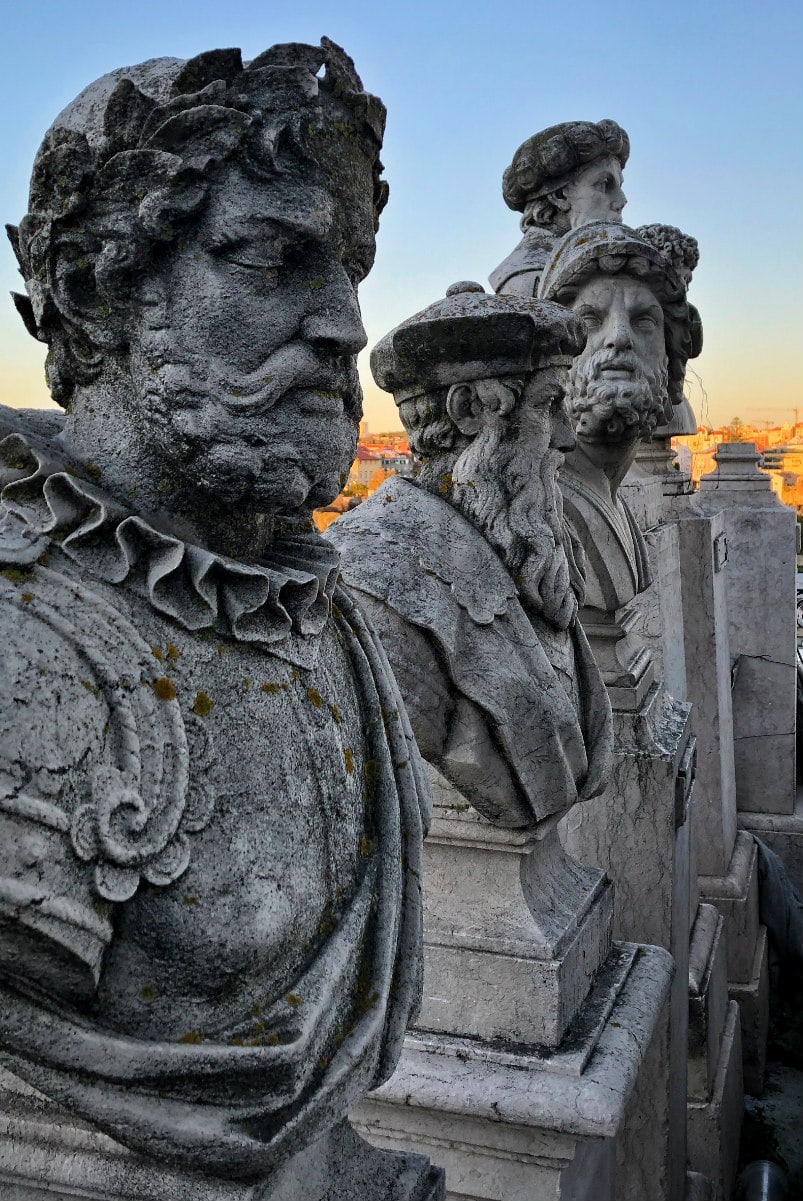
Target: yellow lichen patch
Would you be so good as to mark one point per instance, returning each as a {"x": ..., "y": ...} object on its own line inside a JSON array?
[
  {"x": 203, "y": 705},
  {"x": 193, "y": 1037},
  {"x": 90, "y": 687},
  {"x": 190, "y": 900},
  {"x": 336, "y": 714},
  {"x": 270, "y": 688},
  {"x": 16, "y": 575},
  {"x": 164, "y": 689},
  {"x": 148, "y": 993},
  {"x": 316, "y": 283},
  {"x": 366, "y": 847},
  {"x": 221, "y": 648},
  {"x": 246, "y": 683},
  {"x": 27, "y": 597},
  {"x": 157, "y": 654},
  {"x": 172, "y": 651},
  {"x": 256, "y": 1010},
  {"x": 349, "y": 757},
  {"x": 92, "y": 469},
  {"x": 314, "y": 697},
  {"x": 293, "y": 1000},
  {"x": 445, "y": 483},
  {"x": 295, "y": 674},
  {"x": 273, "y": 1040}
]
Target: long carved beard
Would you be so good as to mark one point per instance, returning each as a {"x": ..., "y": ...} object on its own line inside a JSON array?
[
  {"x": 520, "y": 512},
  {"x": 196, "y": 413},
  {"x": 618, "y": 410}
]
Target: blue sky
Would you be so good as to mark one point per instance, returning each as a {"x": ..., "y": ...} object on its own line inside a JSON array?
[{"x": 710, "y": 93}]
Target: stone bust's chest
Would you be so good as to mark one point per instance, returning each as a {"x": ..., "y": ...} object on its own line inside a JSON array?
[{"x": 145, "y": 717}]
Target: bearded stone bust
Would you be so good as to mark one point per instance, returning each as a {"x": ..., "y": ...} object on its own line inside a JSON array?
[
  {"x": 469, "y": 570},
  {"x": 210, "y": 800},
  {"x": 641, "y": 331}
]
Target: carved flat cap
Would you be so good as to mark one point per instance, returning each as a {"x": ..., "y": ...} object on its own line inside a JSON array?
[
  {"x": 545, "y": 161},
  {"x": 472, "y": 335}
]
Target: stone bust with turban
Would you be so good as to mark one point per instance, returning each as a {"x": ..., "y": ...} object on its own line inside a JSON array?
[{"x": 560, "y": 179}]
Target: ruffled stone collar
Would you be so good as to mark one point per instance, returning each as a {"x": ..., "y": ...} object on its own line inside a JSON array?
[{"x": 282, "y": 600}]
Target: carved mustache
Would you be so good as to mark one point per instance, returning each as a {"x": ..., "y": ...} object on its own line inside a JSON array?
[
  {"x": 290, "y": 368},
  {"x": 618, "y": 360}
]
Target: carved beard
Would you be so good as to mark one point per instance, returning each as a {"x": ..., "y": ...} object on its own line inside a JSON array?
[
  {"x": 618, "y": 410},
  {"x": 198, "y": 415},
  {"x": 521, "y": 514}
]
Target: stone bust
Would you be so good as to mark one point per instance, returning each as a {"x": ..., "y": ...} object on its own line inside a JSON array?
[
  {"x": 468, "y": 569},
  {"x": 560, "y": 179},
  {"x": 210, "y": 800},
  {"x": 641, "y": 333}
]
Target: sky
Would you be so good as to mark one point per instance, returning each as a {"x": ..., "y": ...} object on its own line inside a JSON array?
[{"x": 710, "y": 92}]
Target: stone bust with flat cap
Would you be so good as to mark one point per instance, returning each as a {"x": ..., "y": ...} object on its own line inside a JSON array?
[
  {"x": 468, "y": 570},
  {"x": 560, "y": 179},
  {"x": 211, "y": 804}
]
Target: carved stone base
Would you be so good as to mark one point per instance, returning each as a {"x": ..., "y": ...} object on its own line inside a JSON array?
[
  {"x": 715, "y": 1125},
  {"x": 586, "y": 1121},
  {"x": 638, "y": 831},
  {"x": 515, "y": 930},
  {"x": 48, "y": 1155},
  {"x": 714, "y": 1108},
  {"x": 736, "y": 897}
]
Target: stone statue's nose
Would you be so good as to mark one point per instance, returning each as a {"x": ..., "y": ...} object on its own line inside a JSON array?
[{"x": 336, "y": 322}]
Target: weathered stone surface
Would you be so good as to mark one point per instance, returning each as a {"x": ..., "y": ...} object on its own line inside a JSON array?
[
  {"x": 761, "y": 619},
  {"x": 510, "y": 1124},
  {"x": 715, "y": 1125},
  {"x": 708, "y": 1000},
  {"x": 211, "y": 804},
  {"x": 735, "y": 895},
  {"x": 754, "y": 1012}
]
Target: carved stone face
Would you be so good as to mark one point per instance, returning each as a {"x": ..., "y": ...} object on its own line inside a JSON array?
[
  {"x": 244, "y": 352},
  {"x": 595, "y": 193},
  {"x": 622, "y": 316},
  {"x": 619, "y": 380}
]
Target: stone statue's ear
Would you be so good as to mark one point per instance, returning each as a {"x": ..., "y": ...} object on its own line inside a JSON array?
[
  {"x": 465, "y": 408},
  {"x": 558, "y": 198}
]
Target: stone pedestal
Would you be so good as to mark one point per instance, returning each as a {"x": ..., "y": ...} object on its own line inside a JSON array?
[
  {"x": 638, "y": 831},
  {"x": 715, "y": 1123},
  {"x": 696, "y": 584},
  {"x": 47, "y": 1154},
  {"x": 715, "y": 1091},
  {"x": 516, "y": 930},
  {"x": 539, "y": 1063},
  {"x": 761, "y": 535},
  {"x": 586, "y": 1121}
]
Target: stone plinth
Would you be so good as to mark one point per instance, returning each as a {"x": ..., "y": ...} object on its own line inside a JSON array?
[
  {"x": 703, "y": 577},
  {"x": 584, "y": 1121},
  {"x": 761, "y": 620},
  {"x": 514, "y": 930},
  {"x": 715, "y": 1124},
  {"x": 638, "y": 831}
]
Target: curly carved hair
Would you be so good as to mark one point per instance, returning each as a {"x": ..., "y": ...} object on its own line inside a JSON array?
[
  {"x": 114, "y": 182},
  {"x": 680, "y": 249}
]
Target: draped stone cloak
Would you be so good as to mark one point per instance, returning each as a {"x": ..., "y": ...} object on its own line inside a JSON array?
[
  {"x": 211, "y": 811},
  {"x": 435, "y": 572}
]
